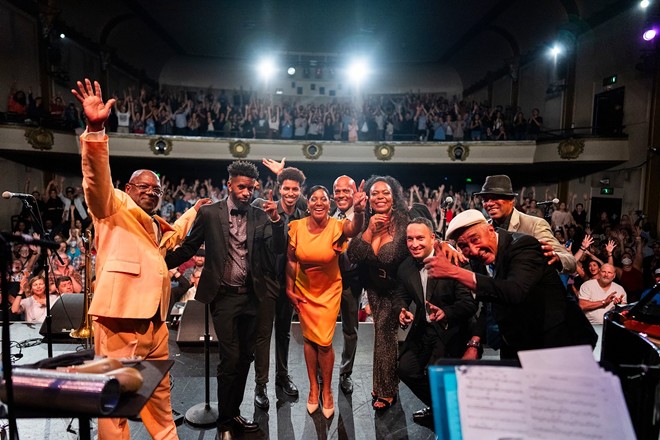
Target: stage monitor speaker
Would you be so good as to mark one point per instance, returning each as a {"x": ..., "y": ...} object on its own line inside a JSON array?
[
  {"x": 66, "y": 315},
  {"x": 191, "y": 325}
]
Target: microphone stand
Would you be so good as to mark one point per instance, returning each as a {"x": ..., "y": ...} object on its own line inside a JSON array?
[
  {"x": 204, "y": 414},
  {"x": 5, "y": 261}
]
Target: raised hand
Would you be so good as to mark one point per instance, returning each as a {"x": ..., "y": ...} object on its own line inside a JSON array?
[
  {"x": 611, "y": 245},
  {"x": 360, "y": 199},
  {"x": 91, "y": 99},
  {"x": 274, "y": 166},
  {"x": 270, "y": 207}
]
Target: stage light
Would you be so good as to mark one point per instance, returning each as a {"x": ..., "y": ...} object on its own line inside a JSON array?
[
  {"x": 644, "y": 4},
  {"x": 555, "y": 50},
  {"x": 649, "y": 34},
  {"x": 62, "y": 36},
  {"x": 266, "y": 68},
  {"x": 357, "y": 71},
  {"x": 291, "y": 71}
]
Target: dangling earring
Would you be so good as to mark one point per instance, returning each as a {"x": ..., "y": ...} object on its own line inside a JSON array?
[{"x": 371, "y": 210}]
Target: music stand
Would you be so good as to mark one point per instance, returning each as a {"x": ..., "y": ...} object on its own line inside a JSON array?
[{"x": 204, "y": 414}]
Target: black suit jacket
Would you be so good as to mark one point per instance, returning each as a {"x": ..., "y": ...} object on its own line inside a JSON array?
[
  {"x": 452, "y": 297},
  {"x": 212, "y": 228},
  {"x": 529, "y": 302}
]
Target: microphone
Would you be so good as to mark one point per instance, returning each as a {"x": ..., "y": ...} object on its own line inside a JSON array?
[
  {"x": 448, "y": 201},
  {"x": 10, "y": 195},
  {"x": 548, "y": 202},
  {"x": 258, "y": 203}
]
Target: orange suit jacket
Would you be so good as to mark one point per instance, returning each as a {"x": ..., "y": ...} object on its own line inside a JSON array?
[{"x": 132, "y": 280}]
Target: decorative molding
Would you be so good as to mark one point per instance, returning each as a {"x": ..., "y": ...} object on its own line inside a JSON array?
[
  {"x": 570, "y": 148},
  {"x": 312, "y": 150},
  {"x": 458, "y": 152},
  {"x": 161, "y": 146},
  {"x": 40, "y": 138},
  {"x": 239, "y": 149},
  {"x": 384, "y": 151}
]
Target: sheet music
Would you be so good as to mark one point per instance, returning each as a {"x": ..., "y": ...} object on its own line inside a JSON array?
[
  {"x": 492, "y": 403},
  {"x": 557, "y": 395}
]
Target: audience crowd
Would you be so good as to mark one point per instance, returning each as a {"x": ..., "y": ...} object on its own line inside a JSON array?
[{"x": 243, "y": 114}]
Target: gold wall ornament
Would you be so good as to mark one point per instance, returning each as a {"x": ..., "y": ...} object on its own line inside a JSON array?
[
  {"x": 161, "y": 146},
  {"x": 458, "y": 152},
  {"x": 384, "y": 151},
  {"x": 312, "y": 150},
  {"x": 570, "y": 148},
  {"x": 40, "y": 138},
  {"x": 239, "y": 149}
]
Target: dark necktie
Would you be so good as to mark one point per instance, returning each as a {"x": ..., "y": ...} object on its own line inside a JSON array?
[{"x": 341, "y": 215}]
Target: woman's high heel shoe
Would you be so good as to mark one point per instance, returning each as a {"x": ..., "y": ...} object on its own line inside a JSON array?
[
  {"x": 312, "y": 407},
  {"x": 328, "y": 412}
]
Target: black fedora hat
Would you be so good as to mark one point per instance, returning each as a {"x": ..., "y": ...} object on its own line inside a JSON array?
[{"x": 498, "y": 185}]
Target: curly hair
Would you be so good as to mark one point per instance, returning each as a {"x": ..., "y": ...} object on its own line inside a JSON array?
[
  {"x": 243, "y": 168},
  {"x": 399, "y": 207},
  {"x": 315, "y": 188},
  {"x": 291, "y": 173}
]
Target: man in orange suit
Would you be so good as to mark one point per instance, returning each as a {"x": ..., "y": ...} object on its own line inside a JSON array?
[{"x": 132, "y": 289}]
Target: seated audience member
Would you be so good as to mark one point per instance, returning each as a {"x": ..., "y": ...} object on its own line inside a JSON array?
[
  {"x": 527, "y": 298},
  {"x": 651, "y": 263},
  {"x": 192, "y": 290},
  {"x": 65, "y": 268},
  {"x": 198, "y": 264},
  {"x": 601, "y": 295},
  {"x": 31, "y": 299},
  {"x": 65, "y": 285},
  {"x": 656, "y": 300},
  {"x": 444, "y": 308}
]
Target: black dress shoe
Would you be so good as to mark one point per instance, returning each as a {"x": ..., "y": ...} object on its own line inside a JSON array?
[
  {"x": 261, "y": 397},
  {"x": 287, "y": 385},
  {"x": 346, "y": 383},
  {"x": 424, "y": 415},
  {"x": 244, "y": 424}
]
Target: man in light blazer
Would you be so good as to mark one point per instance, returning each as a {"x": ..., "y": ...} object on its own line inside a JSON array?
[
  {"x": 440, "y": 324},
  {"x": 132, "y": 289},
  {"x": 499, "y": 202},
  {"x": 235, "y": 276}
]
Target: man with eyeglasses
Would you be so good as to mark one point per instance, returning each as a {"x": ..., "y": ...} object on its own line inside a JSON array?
[{"x": 132, "y": 290}]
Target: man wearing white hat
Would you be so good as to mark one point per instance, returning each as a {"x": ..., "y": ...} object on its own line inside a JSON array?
[{"x": 529, "y": 302}]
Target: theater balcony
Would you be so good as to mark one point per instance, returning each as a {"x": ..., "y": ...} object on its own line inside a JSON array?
[{"x": 543, "y": 160}]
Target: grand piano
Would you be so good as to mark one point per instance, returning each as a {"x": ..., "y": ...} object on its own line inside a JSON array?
[{"x": 631, "y": 349}]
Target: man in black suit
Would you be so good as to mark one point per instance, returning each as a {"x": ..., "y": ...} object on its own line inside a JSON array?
[
  {"x": 529, "y": 302},
  {"x": 275, "y": 307},
  {"x": 235, "y": 236},
  {"x": 444, "y": 308}
]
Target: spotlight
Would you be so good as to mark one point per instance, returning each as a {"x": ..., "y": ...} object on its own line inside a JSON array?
[
  {"x": 291, "y": 71},
  {"x": 555, "y": 50},
  {"x": 357, "y": 71},
  {"x": 266, "y": 68},
  {"x": 644, "y": 4},
  {"x": 649, "y": 34},
  {"x": 62, "y": 36}
]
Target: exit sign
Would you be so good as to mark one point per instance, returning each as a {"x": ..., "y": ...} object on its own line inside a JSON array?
[
  {"x": 607, "y": 191},
  {"x": 609, "y": 81}
]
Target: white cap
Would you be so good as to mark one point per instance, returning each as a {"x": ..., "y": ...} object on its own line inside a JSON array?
[{"x": 464, "y": 220}]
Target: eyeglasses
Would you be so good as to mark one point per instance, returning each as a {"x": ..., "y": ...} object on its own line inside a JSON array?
[{"x": 155, "y": 190}]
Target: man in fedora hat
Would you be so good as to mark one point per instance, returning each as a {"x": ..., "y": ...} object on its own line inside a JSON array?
[
  {"x": 529, "y": 302},
  {"x": 499, "y": 202}
]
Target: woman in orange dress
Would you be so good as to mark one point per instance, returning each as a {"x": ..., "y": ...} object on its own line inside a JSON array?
[{"x": 313, "y": 284}]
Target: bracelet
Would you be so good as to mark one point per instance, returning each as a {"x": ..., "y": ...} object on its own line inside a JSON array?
[
  {"x": 474, "y": 344},
  {"x": 583, "y": 249}
]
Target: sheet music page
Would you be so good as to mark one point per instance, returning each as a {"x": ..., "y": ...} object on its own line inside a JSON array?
[
  {"x": 572, "y": 407},
  {"x": 492, "y": 403},
  {"x": 578, "y": 358}
]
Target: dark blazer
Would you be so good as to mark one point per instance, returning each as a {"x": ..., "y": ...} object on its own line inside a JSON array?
[
  {"x": 212, "y": 228},
  {"x": 529, "y": 302},
  {"x": 452, "y": 297}
]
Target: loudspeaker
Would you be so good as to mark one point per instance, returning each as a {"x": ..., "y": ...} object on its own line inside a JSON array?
[
  {"x": 67, "y": 315},
  {"x": 191, "y": 325}
]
